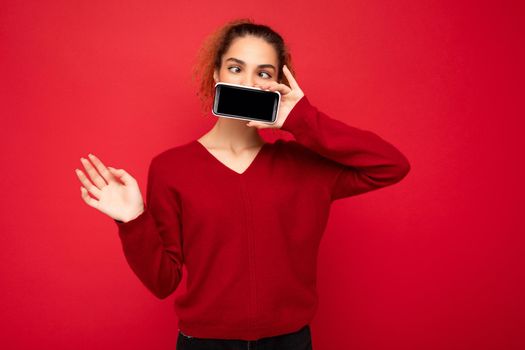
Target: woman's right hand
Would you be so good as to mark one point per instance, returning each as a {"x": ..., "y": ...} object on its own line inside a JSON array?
[{"x": 116, "y": 192}]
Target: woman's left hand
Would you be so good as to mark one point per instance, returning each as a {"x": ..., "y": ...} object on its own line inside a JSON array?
[{"x": 290, "y": 95}]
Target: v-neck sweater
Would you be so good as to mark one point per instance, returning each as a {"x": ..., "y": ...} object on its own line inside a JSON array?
[{"x": 249, "y": 241}]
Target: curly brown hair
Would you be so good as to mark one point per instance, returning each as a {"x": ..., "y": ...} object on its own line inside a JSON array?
[{"x": 209, "y": 56}]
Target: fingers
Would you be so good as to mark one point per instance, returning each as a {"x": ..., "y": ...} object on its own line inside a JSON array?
[
  {"x": 291, "y": 79},
  {"x": 93, "y": 174},
  {"x": 101, "y": 168},
  {"x": 255, "y": 124},
  {"x": 85, "y": 196},
  {"x": 94, "y": 190},
  {"x": 126, "y": 178}
]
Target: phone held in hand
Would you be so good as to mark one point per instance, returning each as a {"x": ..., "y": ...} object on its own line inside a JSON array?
[{"x": 245, "y": 103}]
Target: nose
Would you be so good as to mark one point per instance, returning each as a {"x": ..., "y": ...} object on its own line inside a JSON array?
[{"x": 248, "y": 82}]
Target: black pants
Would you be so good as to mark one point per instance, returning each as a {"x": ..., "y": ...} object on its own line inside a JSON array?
[{"x": 299, "y": 340}]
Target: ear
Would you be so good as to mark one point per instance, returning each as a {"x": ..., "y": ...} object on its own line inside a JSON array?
[{"x": 215, "y": 75}]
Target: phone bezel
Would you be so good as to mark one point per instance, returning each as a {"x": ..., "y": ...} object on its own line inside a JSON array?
[{"x": 215, "y": 102}]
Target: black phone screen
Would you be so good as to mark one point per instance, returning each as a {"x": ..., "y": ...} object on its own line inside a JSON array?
[{"x": 238, "y": 101}]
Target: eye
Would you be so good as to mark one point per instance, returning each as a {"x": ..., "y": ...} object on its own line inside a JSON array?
[
  {"x": 232, "y": 67},
  {"x": 236, "y": 67}
]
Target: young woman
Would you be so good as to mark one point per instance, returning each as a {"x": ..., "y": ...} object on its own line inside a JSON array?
[{"x": 244, "y": 216}]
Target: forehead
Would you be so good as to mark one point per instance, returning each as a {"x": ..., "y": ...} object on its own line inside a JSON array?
[{"x": 251, "y": 50}]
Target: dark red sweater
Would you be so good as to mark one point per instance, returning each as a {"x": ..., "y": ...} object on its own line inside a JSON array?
[{"x": 250, "y": 241}]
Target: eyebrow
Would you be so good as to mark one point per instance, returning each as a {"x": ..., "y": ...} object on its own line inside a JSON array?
[{"x": 243, "y": 63}]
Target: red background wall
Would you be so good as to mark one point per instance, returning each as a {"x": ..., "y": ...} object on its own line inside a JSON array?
[{"x": 433, "y": 262}]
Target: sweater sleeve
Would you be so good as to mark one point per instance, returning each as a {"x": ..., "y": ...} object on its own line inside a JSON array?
[
  {"x": 151, "y": 241},
  {"x": 363, "y": 160}
]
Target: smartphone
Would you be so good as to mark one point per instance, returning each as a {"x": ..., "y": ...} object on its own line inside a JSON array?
[{"x": 245, "y": 102}]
